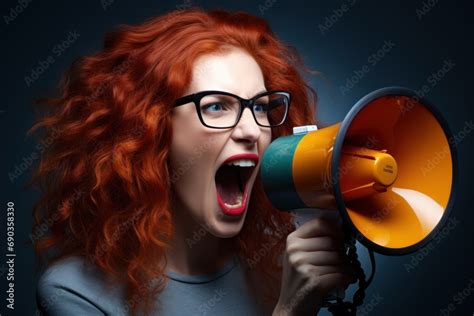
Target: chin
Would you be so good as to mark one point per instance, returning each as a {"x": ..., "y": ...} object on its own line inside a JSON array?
[
  {"x": 226, "y": 233},
  {"x": 225, "y": 228}
]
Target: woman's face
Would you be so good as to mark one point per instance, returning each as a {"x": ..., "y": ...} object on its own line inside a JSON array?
[{"x": 198, "y": 152}]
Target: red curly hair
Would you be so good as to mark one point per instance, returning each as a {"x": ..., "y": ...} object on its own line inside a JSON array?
[{"x": 104, "y": 174}]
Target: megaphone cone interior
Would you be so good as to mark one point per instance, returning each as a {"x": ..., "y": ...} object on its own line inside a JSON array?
[{"x": 389, "y": 167}]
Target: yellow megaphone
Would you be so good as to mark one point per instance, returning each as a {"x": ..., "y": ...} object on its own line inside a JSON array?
[{"x": 389, "y": 167}]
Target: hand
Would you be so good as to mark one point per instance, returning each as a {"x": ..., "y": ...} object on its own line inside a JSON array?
[{"x": 314, "y": 264}]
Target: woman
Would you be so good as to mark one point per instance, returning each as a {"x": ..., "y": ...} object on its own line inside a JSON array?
[{"x": 151, "y": 186}]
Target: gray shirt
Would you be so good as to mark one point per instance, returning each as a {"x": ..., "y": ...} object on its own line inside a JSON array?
[{"x": 74, "y": 287}]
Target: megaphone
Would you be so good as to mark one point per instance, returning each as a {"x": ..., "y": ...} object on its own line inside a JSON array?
[{"x": 389, "y": 167}]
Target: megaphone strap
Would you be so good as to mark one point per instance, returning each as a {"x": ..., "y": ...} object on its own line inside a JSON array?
[{"x": 347, "y": 308}]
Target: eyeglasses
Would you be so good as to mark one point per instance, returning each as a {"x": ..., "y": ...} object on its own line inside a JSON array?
[{"x": 219, "y": 109}]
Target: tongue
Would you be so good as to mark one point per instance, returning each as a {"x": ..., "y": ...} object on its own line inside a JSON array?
[{"x": 227, "y": 184}]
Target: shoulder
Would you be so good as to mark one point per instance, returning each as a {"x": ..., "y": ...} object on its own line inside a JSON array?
[
  {"x": 74, "y": 287},
  {"x": 67, "y": 272}
]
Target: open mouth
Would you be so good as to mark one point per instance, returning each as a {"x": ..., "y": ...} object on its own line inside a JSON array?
[{"x": 232, "y": 187}]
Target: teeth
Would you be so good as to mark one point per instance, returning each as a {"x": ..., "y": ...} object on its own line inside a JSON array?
[
  {"x": 239, "y": 203},
  {"x": 242, "y": 163}
]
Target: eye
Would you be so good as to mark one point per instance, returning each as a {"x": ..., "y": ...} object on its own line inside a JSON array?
[
  {"x": 260, "y": 107},
  {"x": 213, "y": 107}
]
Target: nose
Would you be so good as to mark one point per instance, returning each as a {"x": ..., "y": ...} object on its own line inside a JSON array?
[{"x": 246, "y": 129}]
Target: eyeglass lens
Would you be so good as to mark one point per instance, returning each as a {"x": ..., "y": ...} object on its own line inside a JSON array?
[{"x": 223, "y": 110}]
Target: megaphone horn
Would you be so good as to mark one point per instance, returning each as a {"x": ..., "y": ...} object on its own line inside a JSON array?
[{"x": 376, "y": 167}]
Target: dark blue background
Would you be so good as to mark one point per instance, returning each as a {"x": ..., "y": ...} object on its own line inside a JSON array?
[{"x": 421, "y": 46}]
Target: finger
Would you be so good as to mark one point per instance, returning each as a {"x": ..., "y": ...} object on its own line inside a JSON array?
[
  {"x": 317, "y": 227},
  {"x": 317, "y": 244},
  {"x": 331, "y": 216},
  {"x": 319, "y": 258},
  {"x": 322, "y": 270},
  {"x": 330, "y": 281}
]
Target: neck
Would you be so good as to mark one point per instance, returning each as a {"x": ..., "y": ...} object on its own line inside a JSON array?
[{"x": 193, "y": 250}]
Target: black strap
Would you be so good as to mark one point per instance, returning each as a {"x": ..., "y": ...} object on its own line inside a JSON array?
[{"x": 347, "y": 308}]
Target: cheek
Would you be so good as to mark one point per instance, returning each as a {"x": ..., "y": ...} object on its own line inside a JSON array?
[
  {"x": 186, "y": 164},
  {"x": 192, "y": 164},
  {"x": 184, "y": 153},
  {"x": 189, "y": 188},
  {"x": 265, "y": 140}
]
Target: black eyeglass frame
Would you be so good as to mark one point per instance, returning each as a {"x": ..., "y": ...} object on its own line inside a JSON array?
[{"x": 244, "y": 103}]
